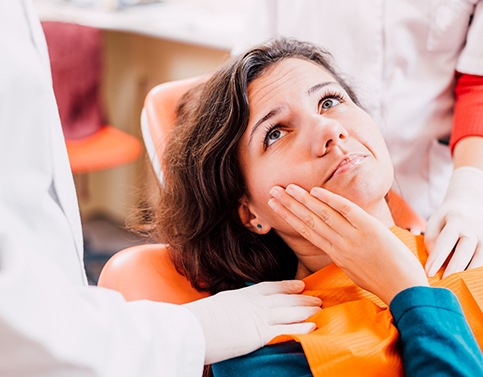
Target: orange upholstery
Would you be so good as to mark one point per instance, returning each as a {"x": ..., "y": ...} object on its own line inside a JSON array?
[
  {"x": 146, "y": 271},
  {"x": 107, "y": 148},
  {"x": 75, "y": 53},
  {"x": 158, "y": 116},
  {"x": 404, "y": 216},
  {"x": 160, "y": 107}
]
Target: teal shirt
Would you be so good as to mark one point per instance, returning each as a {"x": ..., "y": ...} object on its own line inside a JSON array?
[{"x": 435, "y": 340}]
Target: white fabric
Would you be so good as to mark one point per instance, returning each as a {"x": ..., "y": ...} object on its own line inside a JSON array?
[
  {"x": 51, "y": 322},
  {"x": 401, "y": 57}
]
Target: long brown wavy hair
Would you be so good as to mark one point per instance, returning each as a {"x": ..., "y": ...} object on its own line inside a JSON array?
[{"x": 197, "y": 212}]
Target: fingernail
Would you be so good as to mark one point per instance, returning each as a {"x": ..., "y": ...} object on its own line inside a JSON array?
[
  {"x": 276, "y": 191},
  {"x": 290, "y": 189},
  {"x": 272, "y": 203},
  {"x": 317, "y": 192},
  {"x": 293, "y": 190},
  {"x": 314, "y": 189}
]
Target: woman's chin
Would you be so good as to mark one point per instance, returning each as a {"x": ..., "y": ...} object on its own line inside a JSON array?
[{"x": 366, "y": 199}]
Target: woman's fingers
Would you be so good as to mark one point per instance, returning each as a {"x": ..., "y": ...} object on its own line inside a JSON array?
[
  {"x": 314, "y": 214},
  {"x": 355, "y": 215},
  {"x": 305, "y": 230},
  {"x": 318, "y": 208},
  {"x": 323, "y": 218},
  {"x": 371, "y": 255},
  {"x": 314, "y": 220}
]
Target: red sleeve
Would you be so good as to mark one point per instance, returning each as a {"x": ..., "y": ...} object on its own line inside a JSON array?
[{"x": 468, "y": 108}]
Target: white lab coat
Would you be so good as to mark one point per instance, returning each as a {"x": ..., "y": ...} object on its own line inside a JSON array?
[
  {"x": 400, "y": 55},
  {"x": 51, "y": 322}
]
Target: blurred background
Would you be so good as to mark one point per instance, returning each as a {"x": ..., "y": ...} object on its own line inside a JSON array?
[{"x": 131, "y": 46}]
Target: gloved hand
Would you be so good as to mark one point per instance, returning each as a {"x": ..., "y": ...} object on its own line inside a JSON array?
[
  {"x": 457, "y": 225},
  {"x": 241, "y": 321}
]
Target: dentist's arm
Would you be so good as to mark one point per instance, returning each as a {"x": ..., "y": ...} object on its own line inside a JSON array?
[{"x": 457, "y": 226}]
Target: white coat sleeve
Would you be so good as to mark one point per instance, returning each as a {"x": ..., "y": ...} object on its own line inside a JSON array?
[
  {"x": 50, "y": 327},
  {"x": 51, "y": 322}
]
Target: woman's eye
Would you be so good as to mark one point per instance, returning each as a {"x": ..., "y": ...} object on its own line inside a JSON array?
[
  {"x": 273, "y": 135},
  {"x": 328, "y": 103}
]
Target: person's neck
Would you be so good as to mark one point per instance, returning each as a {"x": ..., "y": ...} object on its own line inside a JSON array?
[{"x": 312, "y": 259}]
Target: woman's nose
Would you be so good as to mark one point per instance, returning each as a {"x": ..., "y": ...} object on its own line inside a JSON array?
[{"x": 325, "y": 134}]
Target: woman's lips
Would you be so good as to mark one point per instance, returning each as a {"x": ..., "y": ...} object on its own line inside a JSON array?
[{"x": 348, "y": 163}]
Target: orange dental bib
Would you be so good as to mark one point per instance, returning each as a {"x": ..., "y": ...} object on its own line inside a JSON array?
[{"x": 355, "y": 333}]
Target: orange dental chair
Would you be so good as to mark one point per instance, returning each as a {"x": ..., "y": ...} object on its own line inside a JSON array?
[
  {"x": 77, "y": 69},
  {"x": 146, "y": 271}
]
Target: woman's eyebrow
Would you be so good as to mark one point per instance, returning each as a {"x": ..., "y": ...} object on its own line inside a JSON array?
[
  {"x": 319, "y": 86},
  {"x": 269, "y": 115},
  {"x": 277, "y": 110}
]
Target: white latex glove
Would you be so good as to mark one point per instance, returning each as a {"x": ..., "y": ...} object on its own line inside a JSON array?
[
  {"x": 457, "y": 225},
  {"x": 241, "y": 321}
]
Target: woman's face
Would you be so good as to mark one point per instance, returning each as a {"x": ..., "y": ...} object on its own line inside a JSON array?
[{"x": 304, "y": 129}]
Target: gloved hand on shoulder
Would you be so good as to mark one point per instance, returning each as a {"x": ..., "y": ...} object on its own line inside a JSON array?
[{"x": 241, "y": 321}]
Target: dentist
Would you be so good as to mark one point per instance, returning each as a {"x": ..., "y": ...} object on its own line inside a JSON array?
[{"x": 51, "y": 322}]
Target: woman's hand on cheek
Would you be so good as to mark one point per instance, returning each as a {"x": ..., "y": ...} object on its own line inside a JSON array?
[{"x": 372, "y": 256}]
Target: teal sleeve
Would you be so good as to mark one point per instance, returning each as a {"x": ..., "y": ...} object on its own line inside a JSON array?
[
  {"x": 278, "y": 360},
  {"x": 435, "y": 338}
]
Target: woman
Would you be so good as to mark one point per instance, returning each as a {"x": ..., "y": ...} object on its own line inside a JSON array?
[
  {"x": 267, "y": 128},
  {"x": 419, "y": 67}
]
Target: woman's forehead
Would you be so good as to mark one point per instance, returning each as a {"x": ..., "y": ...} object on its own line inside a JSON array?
[
  {"x": 289, "y": 72},
  {"x": 283, "y": 79}
]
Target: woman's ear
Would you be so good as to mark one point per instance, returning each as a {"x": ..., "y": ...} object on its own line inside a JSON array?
[{"x": 250, "y": 219}]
